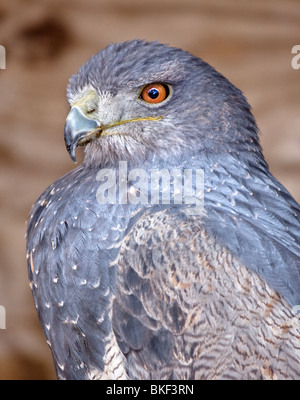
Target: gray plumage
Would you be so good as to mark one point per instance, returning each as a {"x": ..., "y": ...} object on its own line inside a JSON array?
[{"x": 153, "y": 291}]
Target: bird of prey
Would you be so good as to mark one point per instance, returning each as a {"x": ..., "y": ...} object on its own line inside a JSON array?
[{"x": 171, "y": 252}]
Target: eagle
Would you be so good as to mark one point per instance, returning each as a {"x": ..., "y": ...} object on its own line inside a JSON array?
[{"x": 171, "y": 252}]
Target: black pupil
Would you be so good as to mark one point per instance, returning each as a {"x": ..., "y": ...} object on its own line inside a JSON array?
[{"x": 153, "y": 93}]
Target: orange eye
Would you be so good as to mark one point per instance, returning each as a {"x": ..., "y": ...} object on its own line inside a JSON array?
[{"x": 155, "y": 93}]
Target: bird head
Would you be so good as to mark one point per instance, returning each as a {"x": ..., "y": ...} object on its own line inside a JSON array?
[{"x": 139, "y": 100}]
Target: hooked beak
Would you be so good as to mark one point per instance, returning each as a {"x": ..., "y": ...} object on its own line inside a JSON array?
[{"x": 78, "y": 130}]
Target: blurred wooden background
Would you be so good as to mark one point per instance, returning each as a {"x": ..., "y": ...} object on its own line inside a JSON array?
[{"x": 47, "y": 41}]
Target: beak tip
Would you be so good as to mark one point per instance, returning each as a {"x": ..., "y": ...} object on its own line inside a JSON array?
[
  {"x": 71, "y": 150},
  {"x": 76, "y": 127}
]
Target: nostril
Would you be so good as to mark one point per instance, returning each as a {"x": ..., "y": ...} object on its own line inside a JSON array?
[{"x": 91, "y": 111}]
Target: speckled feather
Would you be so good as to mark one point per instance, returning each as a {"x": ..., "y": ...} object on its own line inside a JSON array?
[
  {"x": 143, "y": 292},
  {"x": 213, "y": 320}
]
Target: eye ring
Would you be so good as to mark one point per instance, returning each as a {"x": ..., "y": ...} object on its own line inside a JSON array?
[{"x": 155, "y": 93}]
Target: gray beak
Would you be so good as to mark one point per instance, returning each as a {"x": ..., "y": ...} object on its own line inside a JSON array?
[{"x": 77, "y": 127}]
